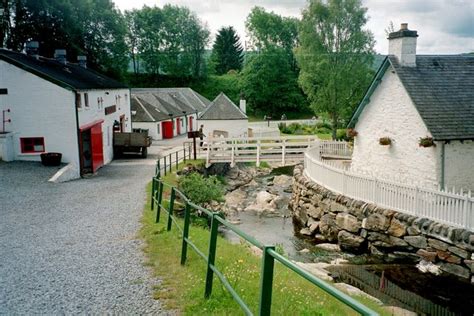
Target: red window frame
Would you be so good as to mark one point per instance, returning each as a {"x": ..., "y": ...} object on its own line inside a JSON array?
[{"x": 30, "y": 142}]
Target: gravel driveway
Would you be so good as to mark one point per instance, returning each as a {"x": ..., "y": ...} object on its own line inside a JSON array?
[{"x": 73, "y": 247}]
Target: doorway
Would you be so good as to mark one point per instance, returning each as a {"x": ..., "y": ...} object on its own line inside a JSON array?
[{"x": 91, "y": 148}]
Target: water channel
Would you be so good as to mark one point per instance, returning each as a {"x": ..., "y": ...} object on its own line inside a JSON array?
[{"x": 401, "y": 285}]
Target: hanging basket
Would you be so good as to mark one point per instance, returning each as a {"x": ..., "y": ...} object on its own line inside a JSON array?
[
  {"x": 426, "y": 142},
  {"x": 385, "y": 141},
  {"x": 51, "y": 159}
]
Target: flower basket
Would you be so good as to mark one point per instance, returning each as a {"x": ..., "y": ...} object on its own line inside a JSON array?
[
  {"x": 351, "y": 133},
  {"x": 426, "y": 142},
  {"x": 385, "y": 141},
  {"x": 51, "y": 159}
]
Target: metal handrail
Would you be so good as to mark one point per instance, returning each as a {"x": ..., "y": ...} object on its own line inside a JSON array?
[{"x": 268, "y": 257}]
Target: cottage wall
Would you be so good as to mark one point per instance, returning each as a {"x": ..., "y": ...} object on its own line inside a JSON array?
[
  {"x": 120, "y": 98},
  {"x": 391, "y": 113},
  {"x": 235, "y": 128},
  {"x": 39, "y": 108},
  {"x": 155, "y": 129},
  {"x": 459, "y": 165}
]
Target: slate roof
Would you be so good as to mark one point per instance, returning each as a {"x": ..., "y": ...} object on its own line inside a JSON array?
[
  {"x": 70, "y": 76},
  {"x": 222, "y": 108},
  {"x": 145, "y": 112},
  {"x": 186, "y": 95},
  {"x": 442, "y": 90}
]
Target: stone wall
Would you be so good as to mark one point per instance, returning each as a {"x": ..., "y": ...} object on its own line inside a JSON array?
[{"x": 391, "y": 236}]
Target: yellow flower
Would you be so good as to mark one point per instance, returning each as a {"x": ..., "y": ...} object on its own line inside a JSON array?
[{"x": 241, "y": 261}]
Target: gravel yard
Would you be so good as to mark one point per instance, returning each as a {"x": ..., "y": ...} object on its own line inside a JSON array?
[{"x": 73, "y": 247}]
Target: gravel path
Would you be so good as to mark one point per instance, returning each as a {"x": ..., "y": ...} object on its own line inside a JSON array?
[{"x": 73, "y": 247}]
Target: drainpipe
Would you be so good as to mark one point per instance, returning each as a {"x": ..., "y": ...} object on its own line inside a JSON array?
[
  {"x": 443, "y": 158},
  {"x": 78, "y": 133}
]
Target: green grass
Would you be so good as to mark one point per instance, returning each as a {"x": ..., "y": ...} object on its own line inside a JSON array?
[{"x": 183, "y": 286}]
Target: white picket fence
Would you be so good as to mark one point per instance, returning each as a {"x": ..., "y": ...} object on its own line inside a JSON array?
[{"x": 456, "y": 209}]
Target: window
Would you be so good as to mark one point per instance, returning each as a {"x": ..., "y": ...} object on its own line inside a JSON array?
[
  {"x": 78, "y": 101},
  {"x": 158, "y": 128},
  {"x": 32, "y": 145},
  {"x": 86, "y": 100}
]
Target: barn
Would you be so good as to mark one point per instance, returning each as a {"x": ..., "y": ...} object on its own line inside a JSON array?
[{"x": 53, "y": 105}]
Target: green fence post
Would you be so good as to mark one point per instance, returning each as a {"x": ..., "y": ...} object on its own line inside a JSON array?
[
  {"x": 164, "y": 162},
  {"x": 171, "y": 163},
  {"x": 158, "y": 167},
  {"x": 177, "y": 161},
  {"x": 153, "y": 184},
  {"x": 266, "y": 281},
  {"x": 184, "y": 154},
  {"x": 170, "y": 211},
  {"x": 187, "y": 218},
  {"x": 160, "y": 198},
  {"x": 211, "y": 256}
]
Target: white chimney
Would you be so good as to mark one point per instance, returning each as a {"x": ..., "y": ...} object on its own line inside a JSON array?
[
  {"x": 402, "y": 44},
  {"x": 82, "y": 61},
  {"x": 60, "y": 55},
  {"x": 32, "y": 49},
  {"x": 243, "y": 106}
]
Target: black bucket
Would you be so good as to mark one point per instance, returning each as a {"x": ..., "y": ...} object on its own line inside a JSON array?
[{"x": 51, "y": 159}]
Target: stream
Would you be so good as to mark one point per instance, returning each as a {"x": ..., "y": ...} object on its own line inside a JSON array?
[{"x": 394, "y": 284}]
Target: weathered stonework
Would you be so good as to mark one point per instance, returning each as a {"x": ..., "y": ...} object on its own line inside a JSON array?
[{"x": 358, "y": 226}]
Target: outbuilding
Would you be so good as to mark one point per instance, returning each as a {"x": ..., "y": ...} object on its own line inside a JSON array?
[
  {"x": 52, "y": 105},
  {"x": 416, "y": 122},
  {"x": 223, "y": 118}
]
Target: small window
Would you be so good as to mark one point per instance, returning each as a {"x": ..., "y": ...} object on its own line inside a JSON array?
[
  {"x": 78, "y": 101},
  {"x": 86, "y": 100},
  {"x": 158, "y": 129},
  {"x": 32, "y": 145}
]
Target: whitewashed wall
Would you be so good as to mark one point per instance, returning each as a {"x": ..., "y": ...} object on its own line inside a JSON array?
[
  {"x": 157, "y": 133},
  {"x": 391, "y": 113},
  {"x": 235, "y": 128},
  {"x": 39, "y": 109},
  {"x": 459, "y": 166},
  {"x": 96, "y": 111}
]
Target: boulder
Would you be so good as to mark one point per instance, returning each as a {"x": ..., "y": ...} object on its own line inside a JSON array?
[
  {"x": 282, "y": 202},
  {"x": 328, "y": 247},
  {"x": 397, "y": 228},
  {"x": 376, "y": 222},
  {"x": 350, "y": 242},
  {"x": 314, "y": 212},
  {"x": 470, "y": 264},
  {"x": 235, "y": 198},
  {"x": 337, "y": 207},
  {"x": 319, "y": 238},
  {"x": 416, "y": 241},
  {"x": 313, "y": 228},
  {"x": 353, "y": 291},
  {"x": 455, "y": 269},
  {"x": 283, "y": 181},
  {"x": 413, "y": 231},
  {"x": 348, "y": 222},
  {"x": 448, "y": 257},
  {"x": 328, "y": 228},
  {"x": 305, "y": 232},
  {"x": 427, "y": 266},
  {"x": 315, "y": 270}
]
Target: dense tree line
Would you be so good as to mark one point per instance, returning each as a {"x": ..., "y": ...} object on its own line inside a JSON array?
[{"x": 83, "y": 27}]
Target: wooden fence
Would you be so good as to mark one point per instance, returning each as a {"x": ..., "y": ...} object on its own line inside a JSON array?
[{"x": 456, "y": 209}]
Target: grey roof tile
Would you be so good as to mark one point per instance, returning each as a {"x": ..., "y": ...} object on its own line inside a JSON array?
[{"x": 222, "y": 108}]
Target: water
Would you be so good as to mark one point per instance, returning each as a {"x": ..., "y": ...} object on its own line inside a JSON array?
[{"x": 400, "y": 285}]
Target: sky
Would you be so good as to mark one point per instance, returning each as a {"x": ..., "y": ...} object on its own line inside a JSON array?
[{"x": 444, "y": 26}]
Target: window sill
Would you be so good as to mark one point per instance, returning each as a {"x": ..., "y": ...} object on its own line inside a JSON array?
[{"x": 31, "y": 154}]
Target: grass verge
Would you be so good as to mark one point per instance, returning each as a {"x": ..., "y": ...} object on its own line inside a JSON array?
[{"x": 182, "y": 287}]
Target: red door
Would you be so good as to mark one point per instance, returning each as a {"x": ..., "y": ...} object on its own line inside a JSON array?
[
  {"x": 190, "y": 124},
  {"x": 167, "y": 128},
  {"x": 178, "y": 126},
  {"x": 97, "y": 148}
]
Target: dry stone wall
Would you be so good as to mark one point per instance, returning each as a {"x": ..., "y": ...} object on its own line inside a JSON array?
[{"x": 391, "y": 236}]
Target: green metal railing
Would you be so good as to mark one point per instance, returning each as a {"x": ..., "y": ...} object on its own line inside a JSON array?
[{"x": 269, "y": 255}]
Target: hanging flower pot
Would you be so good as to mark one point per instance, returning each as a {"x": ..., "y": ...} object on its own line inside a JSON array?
[
  {"x": 351, "y": 133},
  {"x": 426, "y": 142},
  {"x": 385, "y": 141}
]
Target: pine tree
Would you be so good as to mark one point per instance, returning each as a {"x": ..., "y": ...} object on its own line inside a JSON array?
[{"x": 227, "y": 51}]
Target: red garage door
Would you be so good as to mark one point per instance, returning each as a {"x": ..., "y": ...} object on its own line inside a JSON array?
[
  {"x": 167, "y": 128},
  {"x": 97, "y": 148}
]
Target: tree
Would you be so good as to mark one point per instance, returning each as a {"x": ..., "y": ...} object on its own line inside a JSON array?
[
  {"x": 270, "y": 85},
  {"x": 227, "y": 51},
  {"x": 334, "y": 56}
]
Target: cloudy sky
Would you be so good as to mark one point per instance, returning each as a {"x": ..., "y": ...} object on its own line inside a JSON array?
[{"x": 444, "y": 26}]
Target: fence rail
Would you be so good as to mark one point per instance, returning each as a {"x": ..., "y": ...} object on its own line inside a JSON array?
[
  {"x": 446, "y": 207},
  {"x": 166, "y": 162},
  {"x": 269, "y": 255},
  {"x": 257, "y": 149}
]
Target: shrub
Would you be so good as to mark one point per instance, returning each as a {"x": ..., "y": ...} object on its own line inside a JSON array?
[
  {"x": 341, "y": 134},
  {"x": 426, "y": 142},
  {"x": 324, "y": 125},
  {"x": 200, "y": 189}
]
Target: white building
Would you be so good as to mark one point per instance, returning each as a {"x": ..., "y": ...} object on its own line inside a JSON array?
[
  {"x": 166, "y": 112},
  {"x": 223, "y": 118},
  {"x": 415, "y": 97},
  {"x": 58, "y": 106}
]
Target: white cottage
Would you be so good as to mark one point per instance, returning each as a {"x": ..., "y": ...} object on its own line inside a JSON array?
[
  {"x": 421, "y": 107},
  {"x": 223, "y": 118},
  {"x": 51, "y": 105},
  {"x": 166, "y": 112}
]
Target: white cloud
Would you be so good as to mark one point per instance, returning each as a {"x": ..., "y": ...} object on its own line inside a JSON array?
[{"x": 444, "y": 26}]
